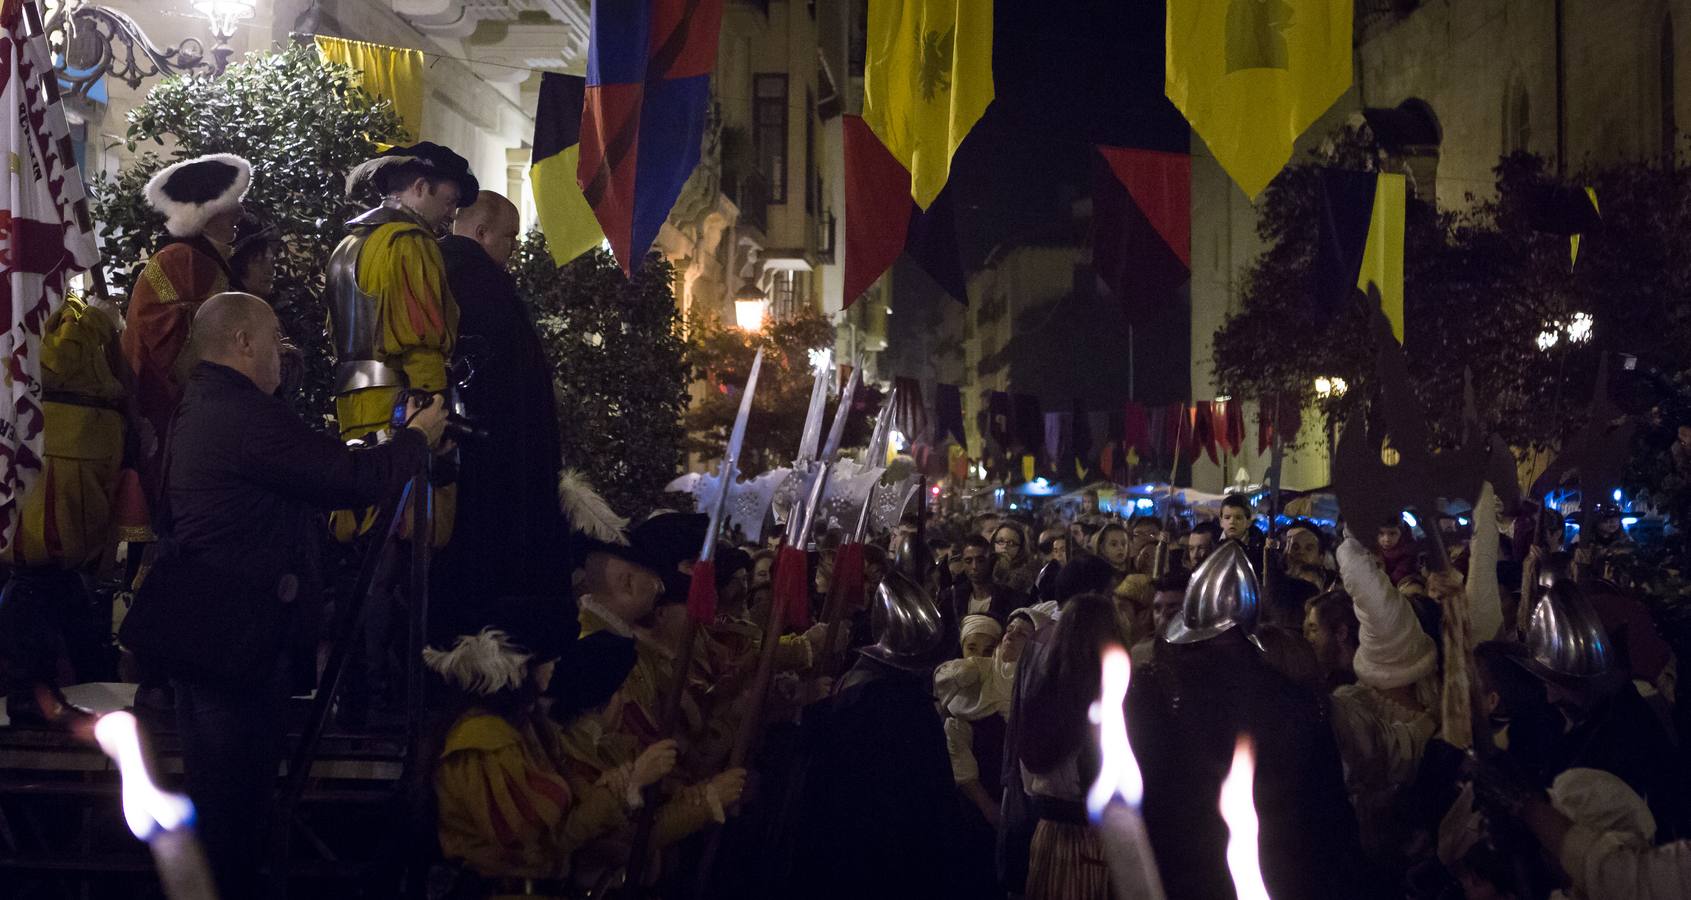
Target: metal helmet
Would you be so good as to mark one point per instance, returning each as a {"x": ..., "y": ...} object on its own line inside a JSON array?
[
  {"x": 1566, "y": 642},
  {"x": 907, "y": 556},
  {"x": 1223, "y": 593},
  {"x": 906, "y": 622}
]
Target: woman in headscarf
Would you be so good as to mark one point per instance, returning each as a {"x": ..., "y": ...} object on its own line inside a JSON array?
[{"x": 974, "y": 694}]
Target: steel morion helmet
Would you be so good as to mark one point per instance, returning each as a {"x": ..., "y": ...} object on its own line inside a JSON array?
[
  {"x": 1223, "y": 593},
  {"x": 907, "y": 624}
]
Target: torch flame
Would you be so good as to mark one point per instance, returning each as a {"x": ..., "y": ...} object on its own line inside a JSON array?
[
  {"x": 1118, "y": 772},
  {"x": 1239, "y": 811},
  {"x": 148, "y": 809}
]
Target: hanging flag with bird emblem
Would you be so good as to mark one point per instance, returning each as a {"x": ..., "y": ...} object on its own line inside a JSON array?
[{"x": 927, "y": 79}]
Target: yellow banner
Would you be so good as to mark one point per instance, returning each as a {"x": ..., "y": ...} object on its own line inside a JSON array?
[
  {"x": 1252, "y": 75},
  {"x": 927, "y": 79},
  {"x": 394, "y": 74},
  {"x": 1382, "y": 257}
]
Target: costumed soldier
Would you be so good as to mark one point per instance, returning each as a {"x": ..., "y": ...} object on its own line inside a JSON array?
[
  {"x": 392, "y": 323},
  {"x": 880, "y": 812},
  {"x": 392, "y": 317},
  {"x": 624, "y": 581},
  {"x": 1208, "y": 683},
  {"x": 509, "y": 528},
  {"x": 66, "y": 525},
  {"x": 201, "y": 202}
]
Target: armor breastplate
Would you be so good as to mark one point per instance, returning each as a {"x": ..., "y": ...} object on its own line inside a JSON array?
[{"x": 352, "y": 313}]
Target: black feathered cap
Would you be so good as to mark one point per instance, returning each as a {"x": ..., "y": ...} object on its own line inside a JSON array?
[
  {"x": 589, "y": 674},
  {"x": 659, "y": 544},
  {"x": 422, "y": 158},
  {"x": 522, "y": 631}
]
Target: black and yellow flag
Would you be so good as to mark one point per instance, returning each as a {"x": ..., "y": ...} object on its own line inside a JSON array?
[
  {"x": 1361, "y": 241},
  {"x": 565, "y": 216}
]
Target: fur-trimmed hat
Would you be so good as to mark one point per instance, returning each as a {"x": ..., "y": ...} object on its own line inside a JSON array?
[
  {"x": 423, "y": 158},
  {"x": 189, "y": 193}
]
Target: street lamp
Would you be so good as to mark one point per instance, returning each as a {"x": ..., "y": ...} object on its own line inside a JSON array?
[
  {"x": 751, "y": 308},
  {"x": 1576, "y": 328},
  {"x": 223, "y": 14},
  {"x": 92, "y": 41},
  {"x": 1329, "y": 387}
]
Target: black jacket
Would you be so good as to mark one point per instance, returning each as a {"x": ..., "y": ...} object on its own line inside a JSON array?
[
  {"x": 1004, "y": 602},
  {"x": 247, "y": 483},
  {"x": 508, "y": 538},
  {"x": 247, "y": 479},
  {"x": 1184, "y": 712},
  {"x": 881, "y": 814}
]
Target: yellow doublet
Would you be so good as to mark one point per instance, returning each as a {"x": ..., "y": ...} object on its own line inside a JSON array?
[
  {"x": 400, "y": 267},
  {"x": 505, "y": 807}
]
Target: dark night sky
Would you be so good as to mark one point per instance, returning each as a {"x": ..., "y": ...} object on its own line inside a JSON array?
[{"x": 1068, "y": 74}]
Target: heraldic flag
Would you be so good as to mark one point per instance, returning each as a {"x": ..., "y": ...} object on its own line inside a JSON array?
[
  {"x": 565, "y": 217},
  {"x": 648, "y": 90},
  {"x": 882, "y": 221},
  {"x": 1361, "y": 241},
  {"x": 1142, "y": 224},
  {"x": 48, "y": 237},
  {"x": 927, "y": 78},
  {"x": 1251, "y": 75}
]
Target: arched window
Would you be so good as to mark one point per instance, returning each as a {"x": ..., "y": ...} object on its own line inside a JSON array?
[
  {"x": 1669, "y": 128},
  {"x": 1517, "y": 118}
]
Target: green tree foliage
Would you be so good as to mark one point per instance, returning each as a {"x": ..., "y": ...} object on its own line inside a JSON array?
[
  {"x": 620, "y": 367},
  {"x": 1480, "y": 286},
  {"x": 302, "y": 124},
  {"x": 723, "y": 355}
]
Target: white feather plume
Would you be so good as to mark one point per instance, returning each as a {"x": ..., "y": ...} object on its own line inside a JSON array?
[
  {"x": 587, "y": 511},
  {"x": 483, "y": 663}
]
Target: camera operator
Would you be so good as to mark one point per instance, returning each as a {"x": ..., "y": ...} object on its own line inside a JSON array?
[
  {"x": 245, "y": 485},
  {"x": 509, "y": 536}
]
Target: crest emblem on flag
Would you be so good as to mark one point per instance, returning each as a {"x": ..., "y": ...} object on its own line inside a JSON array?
[{"x": 45, "y": 236}]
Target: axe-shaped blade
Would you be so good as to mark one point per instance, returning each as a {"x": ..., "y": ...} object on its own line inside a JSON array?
[
  {"x": 831, "y": 447},
  {"x": 1598, "y": 453},
  {"x": 1378, "y": 492},
  {"x": 731, "y": 459}
]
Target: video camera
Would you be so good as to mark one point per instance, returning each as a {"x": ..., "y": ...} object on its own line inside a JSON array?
[{"x": 460, "y": 424}]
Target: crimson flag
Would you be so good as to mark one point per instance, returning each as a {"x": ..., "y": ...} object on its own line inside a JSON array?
[
  {"x": 883, "y": 221},
  {"x": 1142, "y": 223}
]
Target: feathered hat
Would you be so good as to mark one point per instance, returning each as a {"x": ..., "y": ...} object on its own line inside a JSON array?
[
  {"x": 189, "y": 193},
  {"x": 422, "y": 158},
  {"x": 496, "y": 658},
  {"x": 586, "y": 679}
]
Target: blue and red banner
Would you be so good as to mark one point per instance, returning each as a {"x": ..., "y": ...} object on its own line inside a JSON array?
[{"x": 648, "y": 93}]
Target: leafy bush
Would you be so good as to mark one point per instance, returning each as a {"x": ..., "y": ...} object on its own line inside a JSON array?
[
  {"x": 303, "y": 124},
  {"x": 619, "y": 364},
  {"x": 723, "y": 356}
]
